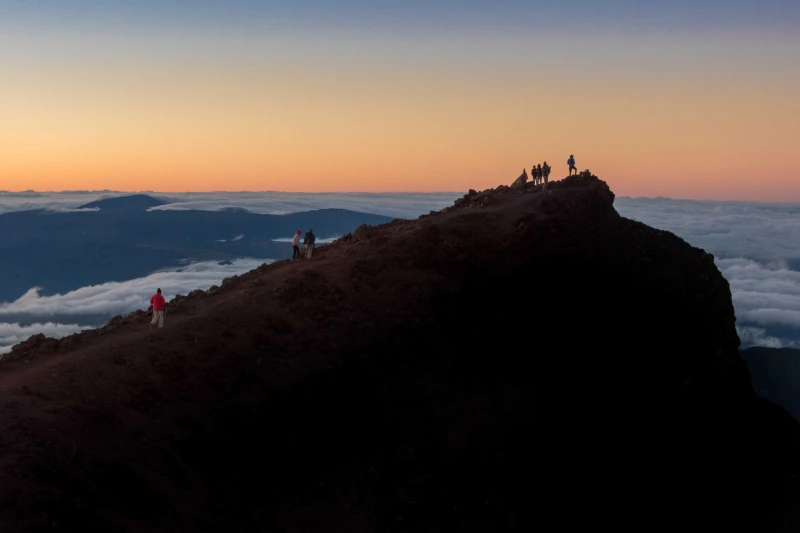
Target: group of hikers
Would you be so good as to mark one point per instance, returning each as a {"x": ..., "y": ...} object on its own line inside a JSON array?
[
  {"x": 159, "y": 304},
  {"x": 541, "y": 173},
  {"x": 308, "y": 245}
]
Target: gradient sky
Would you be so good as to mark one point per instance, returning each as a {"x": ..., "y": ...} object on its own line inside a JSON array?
[{"x": 687, "y": 99}]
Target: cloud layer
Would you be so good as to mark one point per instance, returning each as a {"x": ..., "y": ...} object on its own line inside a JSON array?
[
  {"x": 399, "y": 205},
  {"x": 327, "y": 240},
  {"x": 62, "y": 314}
]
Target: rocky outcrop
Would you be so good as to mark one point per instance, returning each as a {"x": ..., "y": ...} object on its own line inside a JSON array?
[
  {"x": 521, "y": 180},
  {"x": 524, "y": 358}
]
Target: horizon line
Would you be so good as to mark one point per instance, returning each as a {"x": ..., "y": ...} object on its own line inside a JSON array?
[{"x": 376, "y": 193}]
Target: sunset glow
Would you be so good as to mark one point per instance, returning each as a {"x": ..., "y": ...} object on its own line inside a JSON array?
[{"x": 269, "y": 98}]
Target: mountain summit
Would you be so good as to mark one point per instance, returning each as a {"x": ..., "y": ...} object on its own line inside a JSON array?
[{"x": 524, "y": 358}]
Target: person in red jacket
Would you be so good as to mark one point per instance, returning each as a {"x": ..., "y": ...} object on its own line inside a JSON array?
[{"x": 159, "y": 306}]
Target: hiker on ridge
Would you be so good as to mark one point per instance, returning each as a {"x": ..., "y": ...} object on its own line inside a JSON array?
[
  {"x": 545, "y": 171},
  {"x": 308, "y": 242},
  {"x": 539, "y": 174},
  {"x": 296, "y": 246},
  {"x": 571, "y": 163},
  {"x": 159, "y": 306}
]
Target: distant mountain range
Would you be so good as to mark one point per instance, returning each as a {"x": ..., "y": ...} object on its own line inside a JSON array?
[{"x": 118, "y": 239}]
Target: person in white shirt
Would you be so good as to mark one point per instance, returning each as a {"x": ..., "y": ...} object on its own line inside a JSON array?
[{"x": 296, "y": 246}]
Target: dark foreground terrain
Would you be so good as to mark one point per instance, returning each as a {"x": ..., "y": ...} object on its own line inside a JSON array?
[
  {"x": 524, "y": 360},
  {"x": 776, "y": 375}
]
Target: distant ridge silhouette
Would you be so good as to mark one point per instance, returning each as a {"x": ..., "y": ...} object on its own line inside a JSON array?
[{"x": 134, "y": 202}]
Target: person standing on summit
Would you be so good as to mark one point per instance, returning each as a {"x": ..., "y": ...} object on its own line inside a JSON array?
[
  {"x": 159, "y": 306},
  {"x": 308, "y": 242},
  {"x": 571, "y": 163},
  {"x": 296, "y": 246},
  {"x": 545, "y": 172}
]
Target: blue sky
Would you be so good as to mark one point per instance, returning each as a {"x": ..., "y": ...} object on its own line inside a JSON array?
[{"x": 530, "y": 16}]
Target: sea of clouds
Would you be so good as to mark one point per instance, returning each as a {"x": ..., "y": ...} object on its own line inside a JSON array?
[
  {"x": 63, "y": 314},
  {"x": 756, "y": 245},
  {"x": 398, "y": 205}
]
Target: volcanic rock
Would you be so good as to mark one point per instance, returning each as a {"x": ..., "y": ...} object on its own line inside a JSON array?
[
  {"x": 521, "y": 180},
  {"x": 520, "y": 360}
]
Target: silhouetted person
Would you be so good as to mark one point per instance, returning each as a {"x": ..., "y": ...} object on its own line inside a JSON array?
[
  {"x": 539, "y": 174},
  {"x": 159, "y": 307},
  {"x": 296, "y": 246},
  {"x": 308, "y": 242},
  {"x": 571, "y": 163},
  {"x": 545, "y": 171}
]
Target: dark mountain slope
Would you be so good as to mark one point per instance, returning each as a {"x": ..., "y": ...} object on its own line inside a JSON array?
[
  {"x": 521, "y": 360},
  {"x": 776, "y": 375},
  {"x": 64, "y": 251}
]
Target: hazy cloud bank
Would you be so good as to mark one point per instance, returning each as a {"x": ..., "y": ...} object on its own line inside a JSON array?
[
  {"x": 63, "y": 314},
  {"x": 327, "y": 240},
  {"x": 398, "y": 205}
]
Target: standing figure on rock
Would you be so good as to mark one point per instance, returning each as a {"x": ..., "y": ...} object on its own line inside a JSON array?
[
  {"x": 571, "y": 163},
  {"x": 159, "y": 306},
  {"x": 545, "y": 172},
  {"x": 539, "y": 174},
  {"x": 296, "y": 246},
  {"x": 308, "y": 242}
]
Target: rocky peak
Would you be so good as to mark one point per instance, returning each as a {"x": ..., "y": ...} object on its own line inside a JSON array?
[{"x": 523, "y": 356}]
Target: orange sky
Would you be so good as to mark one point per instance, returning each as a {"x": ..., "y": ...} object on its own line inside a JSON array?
[{"x": 325, "y": 119}]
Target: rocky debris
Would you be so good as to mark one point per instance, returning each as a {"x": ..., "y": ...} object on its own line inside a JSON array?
[
  {"x": 136, "y": 316},
  {"x": 362, "y": 232},
  {"x": 521, "y": 180},
  {"x": 485, "y": 198},
  {"x": 28, "y": 348},
  {"x": 116, "y": 321},
  {"x": 34, "y": 341}
]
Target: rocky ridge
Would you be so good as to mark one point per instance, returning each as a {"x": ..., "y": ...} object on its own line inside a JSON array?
[{"x": 523, "y": 358}]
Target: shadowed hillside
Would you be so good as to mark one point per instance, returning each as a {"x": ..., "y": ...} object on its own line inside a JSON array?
[
  {"x": 523, "y": 359},
  {"x": 776, "y": 375}
]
